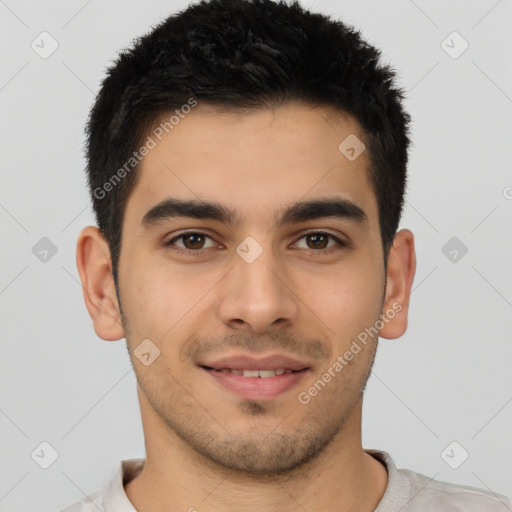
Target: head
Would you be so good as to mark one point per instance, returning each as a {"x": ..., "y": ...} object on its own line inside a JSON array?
[{"x": 240, "y": 111}]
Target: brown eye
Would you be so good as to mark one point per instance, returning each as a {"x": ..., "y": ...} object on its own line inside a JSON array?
[
  {"x": 318, "y": 241},
  {"x": 191, "y": 241},
  {"x": 195, "y": 240}
]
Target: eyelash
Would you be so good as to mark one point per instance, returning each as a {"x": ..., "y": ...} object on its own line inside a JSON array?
[{"x": 198, "y": 252}]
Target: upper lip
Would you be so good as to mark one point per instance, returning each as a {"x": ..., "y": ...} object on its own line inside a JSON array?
[{"x": 270, "y": 362}]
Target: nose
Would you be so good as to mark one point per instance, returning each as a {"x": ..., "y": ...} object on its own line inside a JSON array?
[{"x": 259, "y": 296}]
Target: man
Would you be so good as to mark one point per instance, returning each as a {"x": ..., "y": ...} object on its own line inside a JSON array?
[{"x": 247, "y": 166}]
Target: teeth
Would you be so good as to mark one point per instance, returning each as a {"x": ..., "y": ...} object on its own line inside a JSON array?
[{"x": 258, "y": 373}]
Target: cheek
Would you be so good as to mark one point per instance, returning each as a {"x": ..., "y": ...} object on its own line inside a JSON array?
[
  {"x": 347, "y": 298},
  {"x": 158, "y": 295}
]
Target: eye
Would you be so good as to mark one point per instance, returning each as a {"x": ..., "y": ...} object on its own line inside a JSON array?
[
  {"x": 193, "y": 241},
  {"x": 317, "y": 241}
]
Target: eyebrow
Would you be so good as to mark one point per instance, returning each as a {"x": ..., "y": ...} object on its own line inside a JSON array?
[{"x": 294, "y": 213}]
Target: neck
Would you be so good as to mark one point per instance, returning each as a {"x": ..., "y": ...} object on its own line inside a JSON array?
[{"x": 176, "y": 478}]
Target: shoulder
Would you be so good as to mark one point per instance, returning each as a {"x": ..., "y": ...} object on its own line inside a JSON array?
[
  {"x": 112, "y": 497},
  {"x": 409, "y": 491},
  {"x": 437, "y": 495},
  {"x": 92, "y": 503}
]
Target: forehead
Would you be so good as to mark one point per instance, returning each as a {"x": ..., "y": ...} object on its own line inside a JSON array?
[{"x": 255, "y": 161}]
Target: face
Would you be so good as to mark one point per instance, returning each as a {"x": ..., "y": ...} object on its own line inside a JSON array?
[{"x": 268, "y": 280}]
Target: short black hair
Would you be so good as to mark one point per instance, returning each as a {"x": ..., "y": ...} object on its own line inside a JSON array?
[{"x": 243, "y": 55}]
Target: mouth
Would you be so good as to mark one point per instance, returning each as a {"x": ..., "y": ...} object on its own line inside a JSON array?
[
  {"x": 256, "y": 384},
  {"x": 262, "y": 374}
]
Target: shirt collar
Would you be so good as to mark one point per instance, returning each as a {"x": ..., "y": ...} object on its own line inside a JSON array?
[
  {"x": 115, "y": 496},
  {"x": 398, "y": 491}
]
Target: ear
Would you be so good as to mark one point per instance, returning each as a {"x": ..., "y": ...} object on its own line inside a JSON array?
[
  {"x": 95, "y": 268},
  {"x": 400, "y": 275}
]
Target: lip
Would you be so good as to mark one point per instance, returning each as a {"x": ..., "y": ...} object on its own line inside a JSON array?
[
  {"x": 257, "y": 388},
  {"x": 245, "y": 362}
]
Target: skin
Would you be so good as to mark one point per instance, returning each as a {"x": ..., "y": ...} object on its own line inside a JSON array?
[{"x": 207, "y": 448}]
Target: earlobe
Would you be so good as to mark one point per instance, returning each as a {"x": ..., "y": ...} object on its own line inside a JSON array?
[
  {"x": 400, "y": 276},
  {"x": 95, "y": 268}
]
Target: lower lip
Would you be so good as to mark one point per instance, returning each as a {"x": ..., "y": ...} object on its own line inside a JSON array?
[{"x": 256, "y": 388}]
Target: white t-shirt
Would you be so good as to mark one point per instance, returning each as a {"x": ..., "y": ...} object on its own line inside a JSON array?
[{"x": 406, "y": 491}]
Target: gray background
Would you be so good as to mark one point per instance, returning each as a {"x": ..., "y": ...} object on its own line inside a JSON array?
[{"x": 447, "y": 379}]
